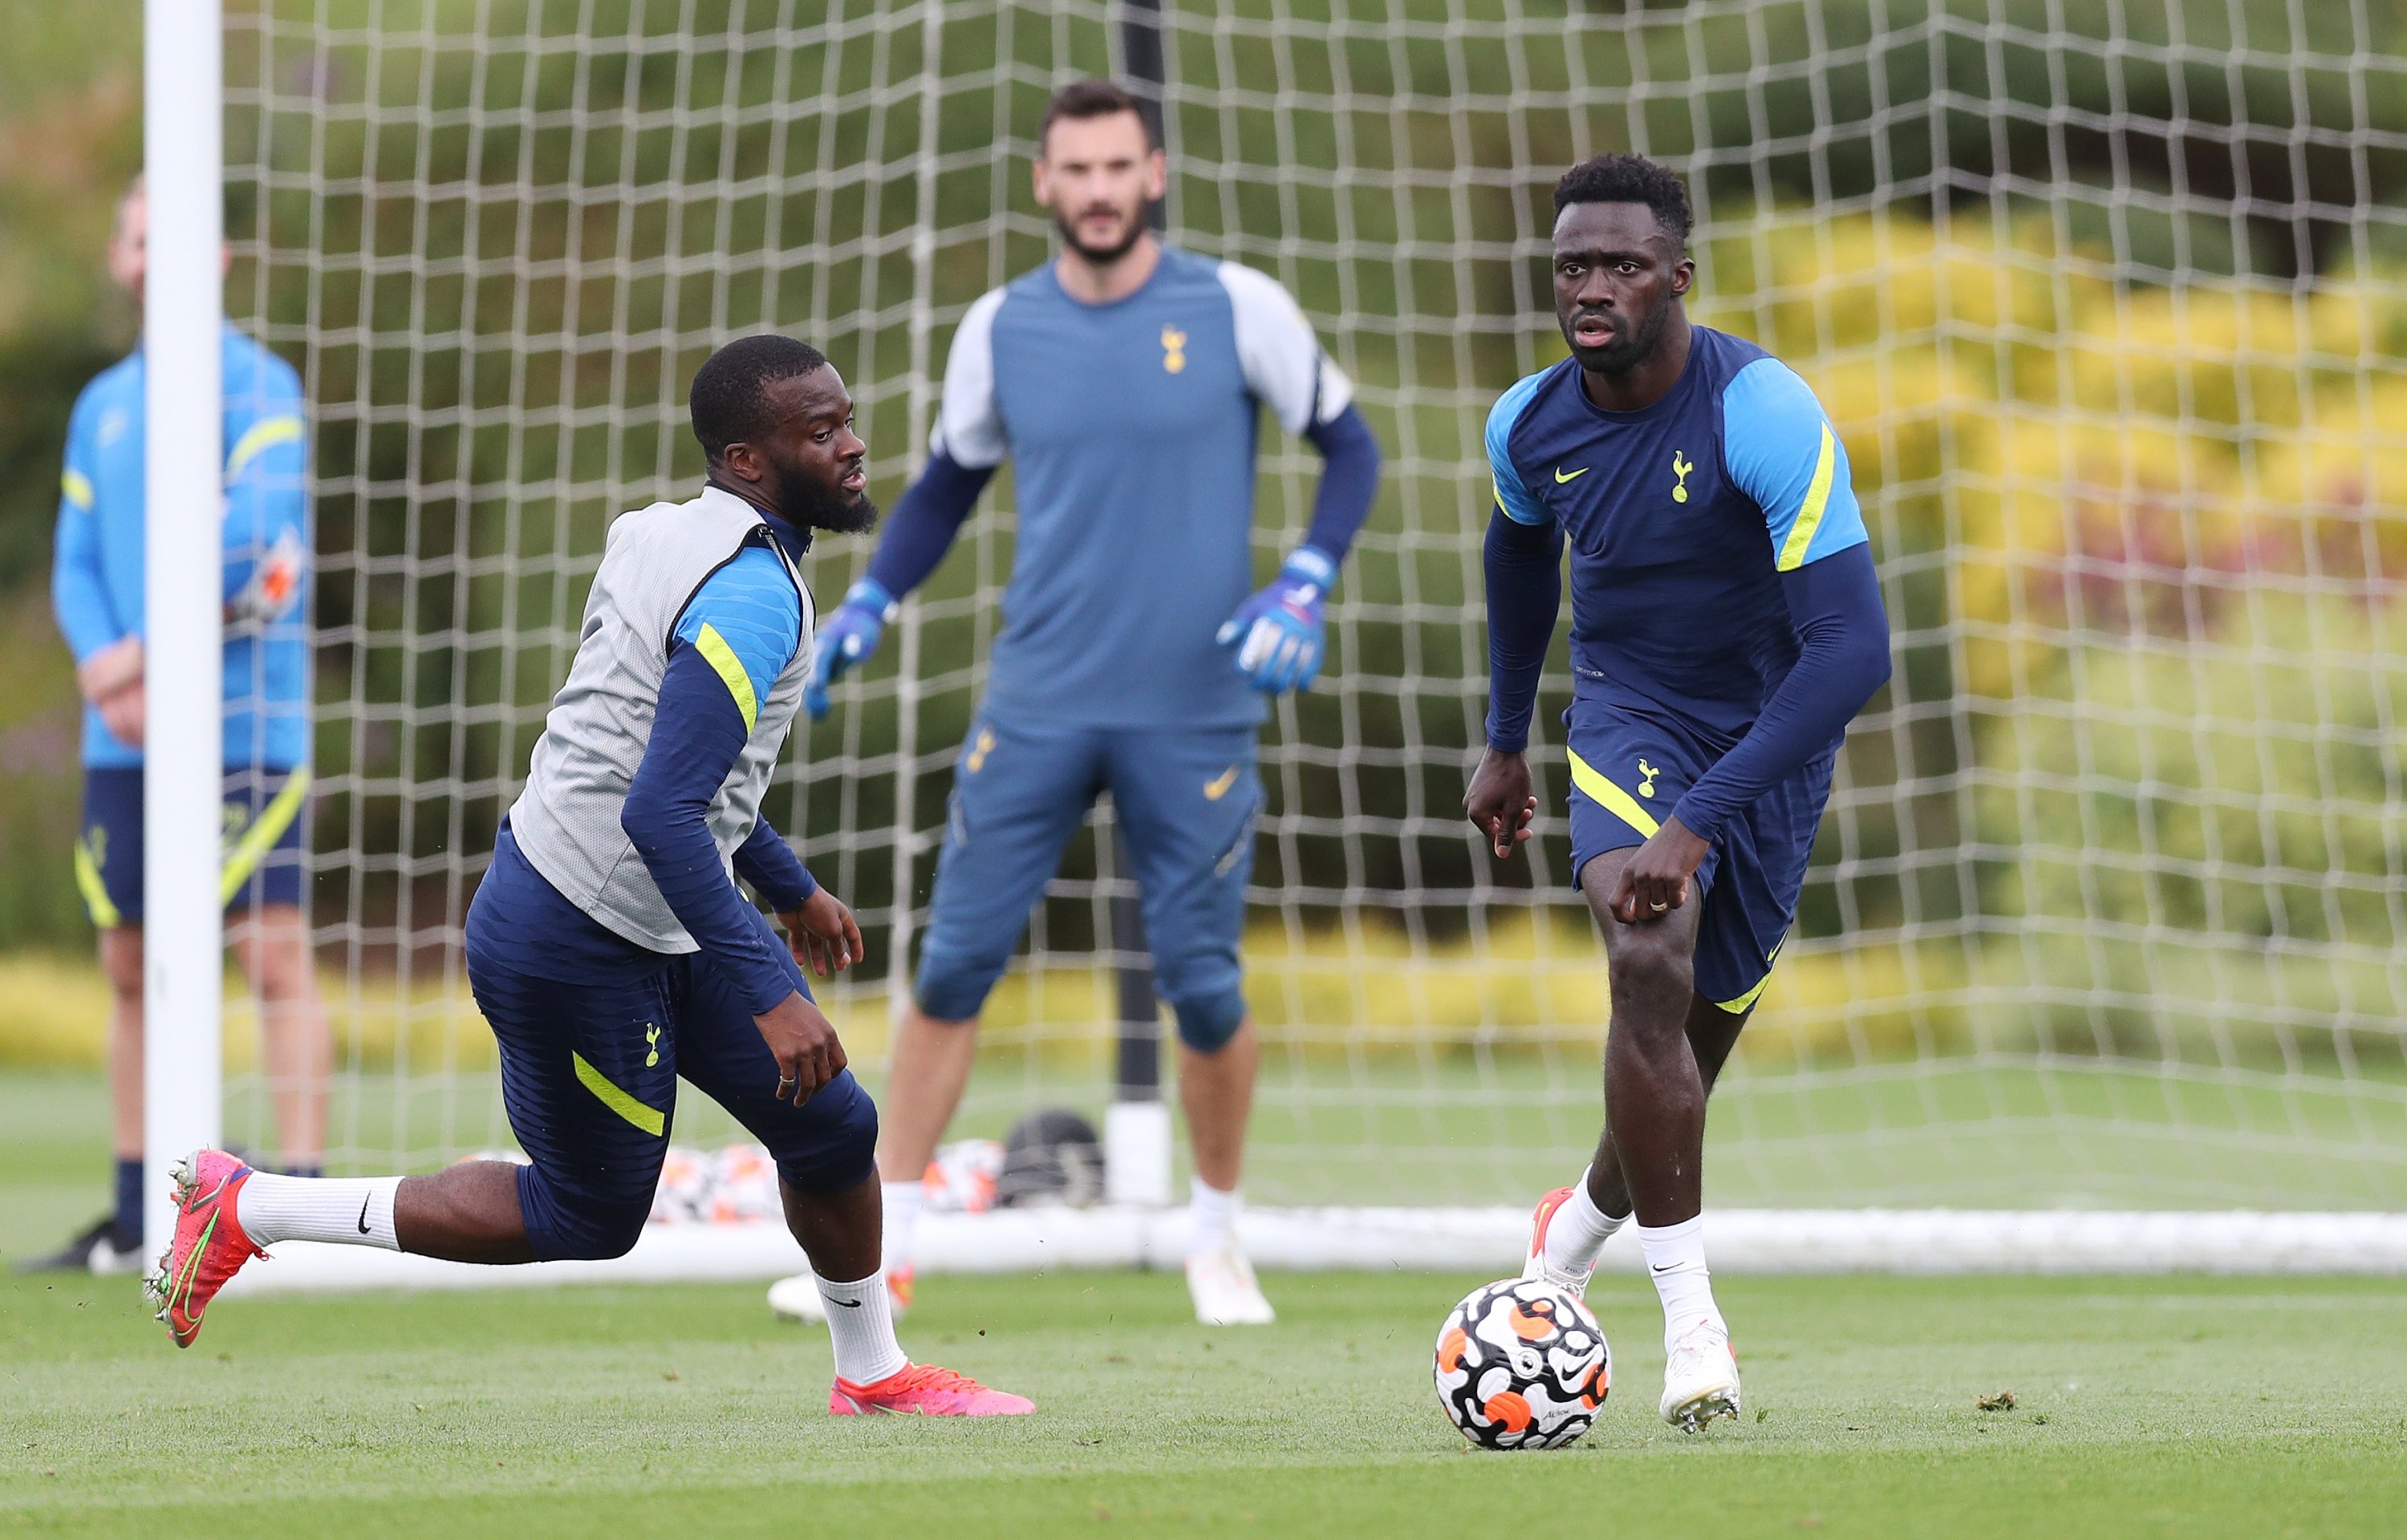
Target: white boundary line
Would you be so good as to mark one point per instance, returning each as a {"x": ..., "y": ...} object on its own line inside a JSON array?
[{"x": 1041, "y": 1241}]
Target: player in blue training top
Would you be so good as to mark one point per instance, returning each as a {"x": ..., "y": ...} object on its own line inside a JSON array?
[
  {"x": 1125, "y": 381},
  {"x": 1726, "y": 626},
  {"x": 609, "y": 947},
  {"x": 96, "y": 590}
]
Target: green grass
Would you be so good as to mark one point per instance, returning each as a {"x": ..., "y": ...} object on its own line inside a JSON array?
[
  {"x": 2076, "y": 1134},
  {"x": 2185, "y": 1408},
  {"x": 2181, "y": 1407}
]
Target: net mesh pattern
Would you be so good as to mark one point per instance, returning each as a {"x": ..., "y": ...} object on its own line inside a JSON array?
[{"x": 2108, "y": 303}]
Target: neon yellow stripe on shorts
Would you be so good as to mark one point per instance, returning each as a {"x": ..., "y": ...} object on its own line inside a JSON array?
[
  {"x": 1612, "y": 798},
  {"x": 649, "y": 1120},
  {"x": 94, "y": 891},
  {"x": 1746, "y": 1001},
  {"x": 261, "y": 838}
]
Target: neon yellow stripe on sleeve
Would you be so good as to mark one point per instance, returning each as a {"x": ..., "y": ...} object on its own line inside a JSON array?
[
  {"x": 265, "y": 434},
  {"x": 719, "y": 655},
  {"x": 75, "y": 487},
  {"x": 1818, "y": 498}
]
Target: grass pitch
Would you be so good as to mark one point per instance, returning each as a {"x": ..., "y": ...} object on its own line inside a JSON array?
[{"x": 2189, "y": 1407}]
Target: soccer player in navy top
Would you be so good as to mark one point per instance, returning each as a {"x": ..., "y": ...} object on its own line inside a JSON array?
[
  {"x": 608, "y": 946},
  {"x": 1125, "y": 380},
  {"x": 1726, "y": 626}
]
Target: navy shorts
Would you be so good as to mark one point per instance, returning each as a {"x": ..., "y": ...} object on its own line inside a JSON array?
[
  {"x": 1627, "y": 771},
  {"x": 588, "y": 1078},
  {"x": 264, "y": 821},
  {"x": 1186, "y": 801}
]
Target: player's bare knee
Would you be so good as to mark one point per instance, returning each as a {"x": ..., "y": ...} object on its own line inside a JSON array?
[
  {"x": 120, "y": 959},
  {"x": 1653, "y": 971}
]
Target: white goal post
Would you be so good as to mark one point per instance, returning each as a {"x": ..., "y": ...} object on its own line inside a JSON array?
[
  {"x": 183, "y": 311},
  {"x": 2109, "y": 915}
]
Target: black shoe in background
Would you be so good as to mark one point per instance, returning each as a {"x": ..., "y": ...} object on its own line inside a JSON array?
[{"x": 77, "y": 1256}]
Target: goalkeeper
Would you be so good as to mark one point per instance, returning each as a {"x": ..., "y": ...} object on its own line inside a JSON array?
[
  {"x": 1726, "y": 626},
  {"x": 1124, "y": 379},
  {"x": 97, "y": 593}
]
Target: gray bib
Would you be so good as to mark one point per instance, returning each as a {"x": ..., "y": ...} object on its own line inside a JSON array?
[{"x": 566, "y": 820}]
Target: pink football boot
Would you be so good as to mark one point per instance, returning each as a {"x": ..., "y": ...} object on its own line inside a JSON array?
[
  {"x": 210, "y": 1247},
  {"x": 926, "y": 1391}
]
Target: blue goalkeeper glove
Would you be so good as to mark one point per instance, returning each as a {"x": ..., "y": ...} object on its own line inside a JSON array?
[
  {"x": 1278, "y": 632},
  {"x": 848, "y": 636}
]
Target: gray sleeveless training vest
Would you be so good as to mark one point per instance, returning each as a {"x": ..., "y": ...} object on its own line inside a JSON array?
[{"x": 566, "y": 820}]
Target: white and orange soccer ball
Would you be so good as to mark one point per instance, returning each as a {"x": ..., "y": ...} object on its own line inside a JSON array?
[{"x": 1522, "y": 1365}]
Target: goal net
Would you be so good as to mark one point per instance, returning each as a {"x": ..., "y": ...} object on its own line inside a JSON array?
[{"x": 2109, "y": 303}]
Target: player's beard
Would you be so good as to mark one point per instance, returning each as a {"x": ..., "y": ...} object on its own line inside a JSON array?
[
  {"x": 813, "y": 504},
  {"x": 1637, "y": 343},
  {"x": 1132, "y": 232}
]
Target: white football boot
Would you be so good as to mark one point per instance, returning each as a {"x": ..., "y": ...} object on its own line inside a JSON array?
[
  {"x": 1221, "y": 1283},
  {"x": 1535, "y": 1264},
  {"x": 797, "y": 1298},
  {"x": 1699, "y": 1377}
]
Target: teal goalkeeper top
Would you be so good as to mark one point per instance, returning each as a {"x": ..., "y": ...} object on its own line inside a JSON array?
[
  {"x": 96, "y": 577},
  {"x": 1131, "y": 428}
]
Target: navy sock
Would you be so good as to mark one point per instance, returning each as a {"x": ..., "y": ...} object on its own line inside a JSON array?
[{"x": 129, "y": 1197}]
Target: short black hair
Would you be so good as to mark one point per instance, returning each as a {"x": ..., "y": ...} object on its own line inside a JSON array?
[
  {"x": 1620, "y": 179},
  {"x": 1093, "y": 99},
  {"x": 729, "y": 401}
]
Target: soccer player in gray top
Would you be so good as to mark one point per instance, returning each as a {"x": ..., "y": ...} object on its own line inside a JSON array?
[{"x": 1125, "y": 380}]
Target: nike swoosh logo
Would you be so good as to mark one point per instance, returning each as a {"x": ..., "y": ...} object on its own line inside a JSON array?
[
  {"x": 1560, "y": 478},
  {"x": 1219, "y": 785},
  {"x": 363, "y": 1212},
  {"x": 849, "y": 1304}
]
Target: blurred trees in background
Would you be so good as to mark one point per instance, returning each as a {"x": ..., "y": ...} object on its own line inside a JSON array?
[{"x": 2110, "y": 346}]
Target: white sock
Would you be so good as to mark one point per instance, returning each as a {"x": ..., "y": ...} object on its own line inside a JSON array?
[
  {"x": 346, "y": 1211},
  {"x": 1578, "y": 1231},
  {"x": 901, "y": 1200},
  {"x": 1676, "y": 1257},
  {"x": 861, "y": 1327},
  {"x": 1211, "y": 1218}
]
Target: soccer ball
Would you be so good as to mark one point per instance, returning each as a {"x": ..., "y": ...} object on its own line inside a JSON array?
[{"x": 1521, "y": 1364}]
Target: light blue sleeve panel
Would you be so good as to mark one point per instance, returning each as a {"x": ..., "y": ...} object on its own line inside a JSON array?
[
  {"x": 267, "y": 491},
  {"x": 1513, "y": 495},
  {"x": 746, "y": 620},
  {"x": 78, "y": 588},
  {"x": 1781, "y": 451}
]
